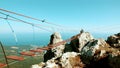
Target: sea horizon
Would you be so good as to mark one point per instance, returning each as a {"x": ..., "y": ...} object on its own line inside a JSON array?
[{"x": 39, "y": 39}]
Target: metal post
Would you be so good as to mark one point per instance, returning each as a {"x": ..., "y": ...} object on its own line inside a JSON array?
[{"x": 4, "y": 55}]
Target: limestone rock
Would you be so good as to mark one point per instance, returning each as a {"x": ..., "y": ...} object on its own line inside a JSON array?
[
  {"x": 71, "y": 60},
  {"x": 84, "y": 52},
  {"x": 52, "y": 63},
  {"x": 55, "y": 51},
  {"x": 84, "y": 38},
  {"x": 114, "y": 40},
  {"x": 114, "y": 57},
  {"x": 36, "y": 66},
  {"x": 114, "y": 61},
  {"x": 42, "y": 64},
  {"x": 97, "y": 54},
  {"x": 67, "y": 60},
  {"x": 94, "y": 50},
  {"x": 79, "y": 43},
  {"x": 49, "y": 64}
]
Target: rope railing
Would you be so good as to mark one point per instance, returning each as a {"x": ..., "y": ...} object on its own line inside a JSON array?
[
  {"x": 39, "y": 20},
  {"x": 38, "y": 26},
  {"x": 29, "y": 17},
  {"x": 51, "y": 28},
  {"x": 15, "y": 37}
]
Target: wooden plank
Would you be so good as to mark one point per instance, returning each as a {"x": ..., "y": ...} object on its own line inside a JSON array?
[
  {"x": 37, "y": 50},
  {"x": 2, "y": 65},
  {"x": 28, "y": 53},
  {"x": 15, "y": 58}
]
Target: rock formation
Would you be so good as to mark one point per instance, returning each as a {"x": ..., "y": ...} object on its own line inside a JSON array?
[
  {"x": 56, "y": 51},
  {"x": 94, "y": 50},
  {"x": 67, "y": 60},
  {"x": 79, "y": 43},
  {"x": 114, "y": 40},
  {"x": 83, "y": 52},
  {"x": 71, "y": 60}
]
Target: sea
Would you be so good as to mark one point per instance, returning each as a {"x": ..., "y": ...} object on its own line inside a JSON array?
[{"x": 38, "y": 39}]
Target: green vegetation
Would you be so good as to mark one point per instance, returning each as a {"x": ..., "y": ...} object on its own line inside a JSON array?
[{"x": 27, "y": 63}]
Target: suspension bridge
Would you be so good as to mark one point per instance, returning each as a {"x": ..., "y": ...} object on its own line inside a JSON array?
[
  {"x": 31, "y": 52},
  {"x": 8, "y": 16}
]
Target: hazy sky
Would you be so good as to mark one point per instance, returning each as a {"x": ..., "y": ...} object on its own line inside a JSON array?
[{"x": 91, "y": 15}]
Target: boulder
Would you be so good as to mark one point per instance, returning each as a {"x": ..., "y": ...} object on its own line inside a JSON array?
[
  {"x": 71, "y": 60},
  {"x": 94, "y": 50},
  {"x": 78, "y": 44},
  {"x": 114, "y": 61},
  {"x": 114, "y": 40},
  {"x": 67, "y": 60},
  {"x": 42, "y": 64},
  {"x": 55, "y": 51},
  {"x": 97, "y": 54}
]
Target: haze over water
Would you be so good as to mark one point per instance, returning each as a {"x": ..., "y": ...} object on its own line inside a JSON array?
[{"x": 39, "y": 39}]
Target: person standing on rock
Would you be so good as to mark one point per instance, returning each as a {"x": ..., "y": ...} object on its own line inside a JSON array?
[{"x": 81, "y": 31}]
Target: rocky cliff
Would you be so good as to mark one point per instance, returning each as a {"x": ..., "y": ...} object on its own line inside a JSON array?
[
  {"x": 55, "y": 51},
  {"x": 114, "y": 40},
  {"x": 83, "y": 52}
]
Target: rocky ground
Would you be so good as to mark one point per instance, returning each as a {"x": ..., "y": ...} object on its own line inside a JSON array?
[{"x": 83, "y": 52}]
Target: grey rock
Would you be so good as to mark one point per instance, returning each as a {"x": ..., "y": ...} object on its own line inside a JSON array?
[
  {"x": 114, "y": 40},
  {"x": 55, "y": 51},
  {"x": 80, "y": 42},
  {"x": 67, "y": 60},
  {"x": 84, "y": 51}
]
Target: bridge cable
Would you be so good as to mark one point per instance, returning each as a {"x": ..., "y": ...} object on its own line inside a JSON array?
[
  {"x": 38, "y": 26},
  {"x": 15, "y": 37},
  {"x": 33, "y": 28},
  {"x": 29, "y": 17}
]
